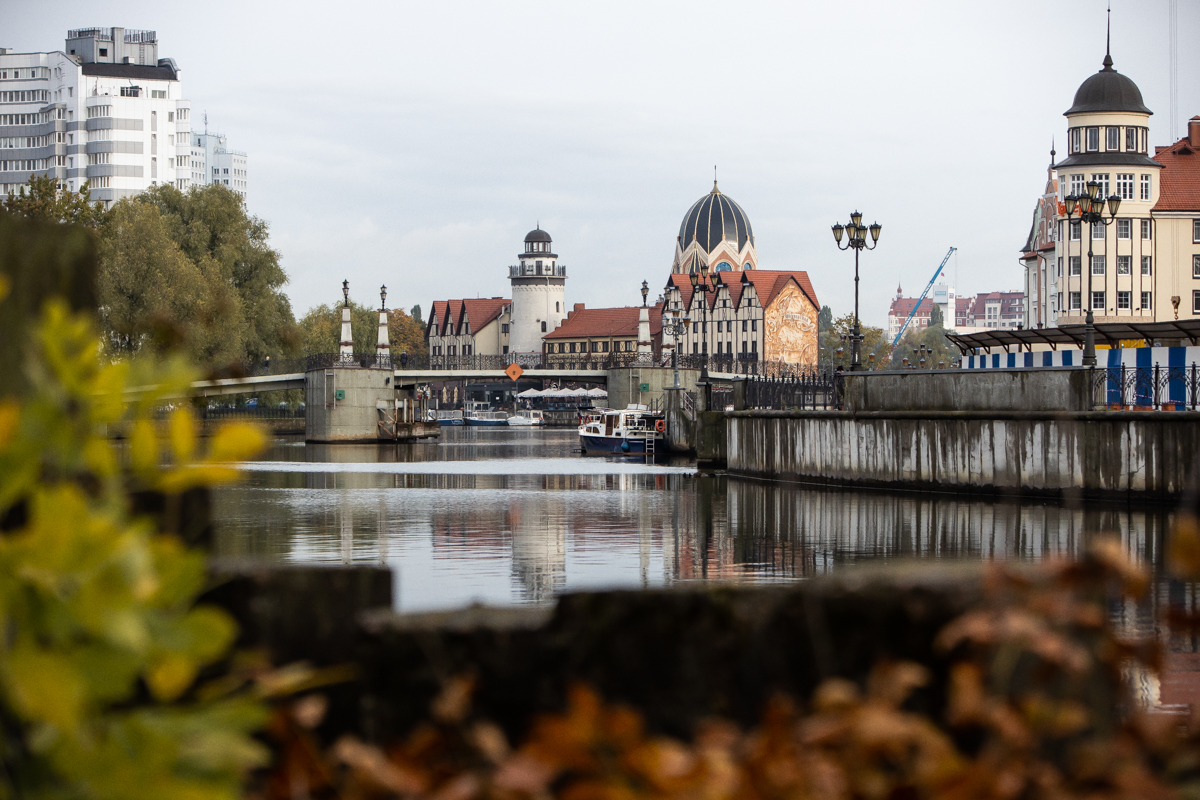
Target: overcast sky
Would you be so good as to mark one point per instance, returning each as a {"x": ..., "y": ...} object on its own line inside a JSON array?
[{"x": 415, "y": 144}]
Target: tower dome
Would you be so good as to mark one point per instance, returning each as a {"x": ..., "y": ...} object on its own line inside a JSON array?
[
  {"x": 1108, "y": 91},
  {"x": 537, "y": 235},
  {"x": 715, "y": 218}
]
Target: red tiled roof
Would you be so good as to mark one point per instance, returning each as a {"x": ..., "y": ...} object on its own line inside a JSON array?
[
  {"x": 767, "y": 284},
  {"x": 480, "y": 311},
  {"x": 903, "y": 306},
  {"x": 604, "y": 322},
  {"x": 1179, "y": 182}
]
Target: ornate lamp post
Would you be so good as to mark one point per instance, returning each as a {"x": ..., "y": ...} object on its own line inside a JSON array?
[
  {"x": 1089, "y": 208},
  {"x": 856, "y": 240},
  {"x": 675, "y": 326},
  {"x": 645, "y": 291}
]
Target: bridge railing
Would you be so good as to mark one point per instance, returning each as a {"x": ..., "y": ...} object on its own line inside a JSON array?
[{"x": 812, "y": 389}]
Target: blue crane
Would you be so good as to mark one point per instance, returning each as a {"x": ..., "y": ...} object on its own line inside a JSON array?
[{"x": 928, "y": 286}]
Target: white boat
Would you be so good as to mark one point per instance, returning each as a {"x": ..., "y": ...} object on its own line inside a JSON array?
[
  {"x": 607, "y": 430},
  {"x": 486, "y": 418},
  {"x": 526, "y": 417}
]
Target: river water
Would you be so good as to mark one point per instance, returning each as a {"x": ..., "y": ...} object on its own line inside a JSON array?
[{"x": 514, "y": 516}]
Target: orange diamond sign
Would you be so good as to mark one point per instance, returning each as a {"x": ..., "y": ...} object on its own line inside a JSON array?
[{"x": 514, "y": 371}]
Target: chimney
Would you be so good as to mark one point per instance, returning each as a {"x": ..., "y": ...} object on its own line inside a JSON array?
[{"x": 1194, "y": 131}]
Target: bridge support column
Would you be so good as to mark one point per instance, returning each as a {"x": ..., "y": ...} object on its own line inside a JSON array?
[{"x": 355, "y": 404}]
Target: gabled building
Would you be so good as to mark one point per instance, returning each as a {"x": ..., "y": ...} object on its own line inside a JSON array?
[
  {"x": 469, "y": 327},
  {"x": 750, "y": 314},
  {"x": 1037, "y": 256}
]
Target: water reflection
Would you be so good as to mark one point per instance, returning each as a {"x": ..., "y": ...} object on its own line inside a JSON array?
[{"x": 516, "y": 516}]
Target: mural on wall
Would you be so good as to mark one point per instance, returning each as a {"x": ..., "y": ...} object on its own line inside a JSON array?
[{"x": 790, "y": 327}]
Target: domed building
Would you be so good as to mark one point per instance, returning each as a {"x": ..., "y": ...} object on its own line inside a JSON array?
[{"x": 715, "y": 231}]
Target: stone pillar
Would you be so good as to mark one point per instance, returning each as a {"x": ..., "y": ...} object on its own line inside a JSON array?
[
  {"x": 383, "y": 347},
  {"x": 347, "y": 342},
  {"x": 645, "y": 345}
]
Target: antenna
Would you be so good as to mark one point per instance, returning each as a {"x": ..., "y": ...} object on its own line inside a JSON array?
[{"x": 206, "y": 122}]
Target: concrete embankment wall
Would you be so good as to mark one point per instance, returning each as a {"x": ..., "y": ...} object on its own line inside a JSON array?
[
  {"x": 1060, "y": 388},
  {"x": 1114, "y": 455}
]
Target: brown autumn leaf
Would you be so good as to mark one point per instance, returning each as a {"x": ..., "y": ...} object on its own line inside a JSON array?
[{"x": 1183, "y": 552}]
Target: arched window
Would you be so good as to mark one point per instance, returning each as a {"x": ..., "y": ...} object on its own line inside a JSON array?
[
  {"x": 748, "y": 266},
  {"x": 556, "y": 311},
  {"x": 724, "y": 266}
]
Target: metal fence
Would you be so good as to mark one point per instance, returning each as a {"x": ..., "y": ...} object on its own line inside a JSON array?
[
  {"x": 1146, "y": 388},
  {"x": 813, "y": 389}
]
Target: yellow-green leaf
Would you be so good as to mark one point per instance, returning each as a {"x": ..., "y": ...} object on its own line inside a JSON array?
[
  {"x": 171, "y": 675},
  {"x": 143, "y": 447},
  {"x": 236, "y": 441},
  {"x": 183, "y": 435}
]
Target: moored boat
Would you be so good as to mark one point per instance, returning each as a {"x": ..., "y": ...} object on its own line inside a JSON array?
[
  {"x": 486, "y": 418},
  {"x": 624, "y": 431},
  {"x": 527, "y": 417}
]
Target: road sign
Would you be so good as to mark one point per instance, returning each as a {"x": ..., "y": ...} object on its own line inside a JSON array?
[{"x": 514, "y": 371}]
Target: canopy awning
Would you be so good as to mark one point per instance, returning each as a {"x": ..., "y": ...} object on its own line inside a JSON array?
[{"x": 1106, "y": 333}]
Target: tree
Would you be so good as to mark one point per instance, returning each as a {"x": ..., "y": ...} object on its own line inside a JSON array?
[
  {"x": 937, "y": 346},
  {"x": 42, "y": 199},
  {"x": 416, "y": 314},
  {"x": 936, "y": 317},
  {"x": 153, "y": 296},
  {"x": 824, "y": 319},
  {"x": 211, "y": 227},
  {"x": 874, "y": 343},
  {"x": 407, "y": 333}
]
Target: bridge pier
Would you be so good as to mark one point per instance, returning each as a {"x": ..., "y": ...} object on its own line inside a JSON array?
[{"x": 358, "y": 404}]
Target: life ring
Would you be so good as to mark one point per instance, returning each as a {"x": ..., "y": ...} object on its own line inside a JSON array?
[{"x": 660, "y": 426}]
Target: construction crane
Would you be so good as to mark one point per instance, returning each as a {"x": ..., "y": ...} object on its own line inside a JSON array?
[{"x": 920, "y": 299}]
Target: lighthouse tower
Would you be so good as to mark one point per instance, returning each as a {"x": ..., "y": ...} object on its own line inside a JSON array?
[{"x": 538, "y": 293}]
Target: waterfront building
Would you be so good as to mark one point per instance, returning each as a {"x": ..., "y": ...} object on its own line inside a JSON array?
[
  {"x": 595, "y": 333},
  {"x": 538, "y": 293},
  {"x": 1038, "y": 256},
  {"x": 105, "y": 109},
  {"x": 1146, "y": 264},
  {"x": 746, "y": 312},
  {"x": 469, "y": 327},
  {"x": 213, "y": 162}
]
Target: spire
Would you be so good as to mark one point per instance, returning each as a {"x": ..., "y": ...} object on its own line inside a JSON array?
[
  {"x": 1108, "y": 62},
  {"x": 715, "y": 189}
]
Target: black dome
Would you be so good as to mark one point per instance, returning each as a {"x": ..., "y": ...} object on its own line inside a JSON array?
[
  {"x": 712, "y": 218},
  {"x": 537, "y": 235},
  {"x": 1108, "y": 90}
]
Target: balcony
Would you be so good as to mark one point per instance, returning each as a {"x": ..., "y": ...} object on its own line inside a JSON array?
[{"x": 534, "y": 271}]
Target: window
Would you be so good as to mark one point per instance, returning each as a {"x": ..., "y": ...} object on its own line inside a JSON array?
[
  {"x": 1102, "y": 179},
  {"x": 1077, "y": 185},
  {"x": 1098, "y": 265},
  {"x": 158, "y": 94},
  {"x": 1196, "y": 266},
  {"x": 745, "y": 326},
  {"x": 1145, "y": 265},
  {"x": 153, "y": 120},
  {"x": 556, "y": 310},
  {"x": 1060, "y": 266},
  {"x": 1112, "y": 139},
  {"x": 628, "y": 347},
  {"x": 131, "y": 91},
  {"x": 745, "y": 345},
  {"x": 1124, "y": 229},
  {"x": 1195, "y": 302},
  {"x": 1196, "y": 230},
  {"x": 604, "y": 346},
  {"x": 1125, "y": 185},
  {"x": 1059, "y": 305},
  {"x": 1124, "y": 265},
  {"x": 1098, "y": 231},
  {"x": 170, "y": 116},
  {"x": 1076, "y": 231},
  {"x": 103, "y": 52},
  {"x": 1123, "y": 300},
  {"x": 595, "y": 347},
  {"x": 718, "y": 326},
  {"x": 572, "y": 344},
  {"x": 1093, "y": 139},
  {"x": 1097, "y": 301},
  {"x": 543, "y": 326},
  {"x": 504, "y": 328},
  {"x": 1145, "y": 191},
  {"x": 1146, "y": 229},
  {"x": 1074, "y": 298},
  {"x": 1075, "y": 140},
  {"x": 1146, "y": 300},
  {"x": 1131, "y": 140},
  {"x": 695, "y": 348}
]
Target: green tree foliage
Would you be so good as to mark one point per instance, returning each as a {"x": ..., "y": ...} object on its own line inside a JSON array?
[
  {"x": 102, "y": 639},
  {"x": 934, "y": 339},
  {"x": 152, "y": 296},
  {"x": 415, "y": 313},
  {"x": 874, "y": 342},
  {"x": 42, "y": 199},
  {"x": 824, "y": 319},
  {"x": 936, "y": 318},
  {"x": 322, "y": 327},
  {"x": 211, "y": 227}
]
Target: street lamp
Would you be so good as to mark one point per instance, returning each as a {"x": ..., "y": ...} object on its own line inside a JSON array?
[
  {"x": 1089, "y": 208},
  {"x": 383, "y": 297},
  {"x": 856, "y": 240},
  {"x": 645, "y": 291},
  {"x": 675, "y": 326},
  {"x": 700, "y": 284}
]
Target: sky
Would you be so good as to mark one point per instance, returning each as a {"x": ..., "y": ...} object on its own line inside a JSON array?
[{"x": 414, "y": 144}]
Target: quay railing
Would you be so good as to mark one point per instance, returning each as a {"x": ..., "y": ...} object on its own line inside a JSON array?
[
  {"x": 813, "y": 389},
  {"x": 1149, "y": 388}
]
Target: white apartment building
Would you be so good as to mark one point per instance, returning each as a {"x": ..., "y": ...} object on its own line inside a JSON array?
[
  {"x": 106, "y": 110},
  {"x": 213, "y": 162}
]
